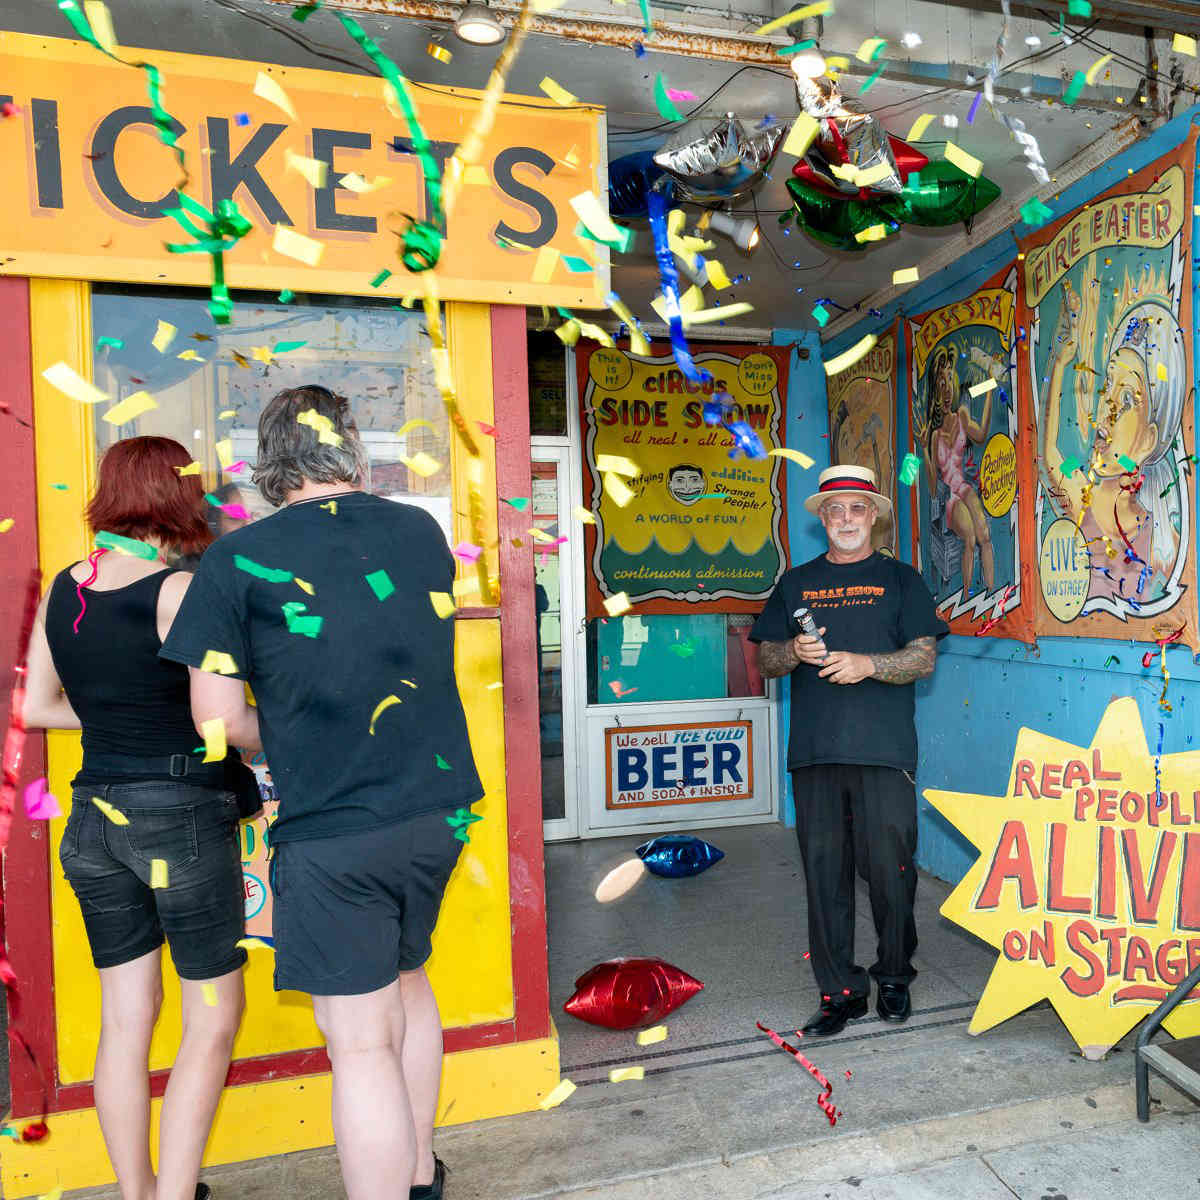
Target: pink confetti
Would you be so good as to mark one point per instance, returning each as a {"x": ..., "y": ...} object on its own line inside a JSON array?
[
  {"x": 234, "y": 468},
  {"x": 8, "y": 109},
  {"x": 467, "y": 551},
  {"x": 490, "y": 430},
  {"x": 676, "y": 94},
  {"x": 236, "y": 511},
  {"x": 40, "y": 804}
]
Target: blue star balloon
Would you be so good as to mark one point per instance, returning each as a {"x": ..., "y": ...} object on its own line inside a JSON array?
[{"x": 676, "y": 855}]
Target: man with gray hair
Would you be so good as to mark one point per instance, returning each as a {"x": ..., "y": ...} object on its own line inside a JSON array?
[{"x": 324, "y": 609}]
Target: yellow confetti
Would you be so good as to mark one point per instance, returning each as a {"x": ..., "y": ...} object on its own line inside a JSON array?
[
  {"x": 304, "y": 585},
  {"x": 625, "y": 1074},
  {"x": 596, "y": 219},
  {"x": 906, "y": 275},
  {"x": 331, "y": 507},
  {"x": 873, "y": 233},
  {"x": 1161, "y": 371},
  {"x": 618, "y": 464},
  {"x": 415, "y": 423},
  {"x": 253, "y": 943},
  {"x": 226, "y": 413},
  {"x": 797, "y": 456},
  {"x": 421, "y": 464},
  {"x": 267, "y": 89},
  {"x": 568, "y": 332},
  {"x": 557, "y": 93},
  {"x": 384, "y": 705},
  {"x": 616, "y": 490},
  {"x": 7, "y": 524},
  {"x": 1094, "y": 70},
  {"x": 295, "y": 245},
  {"x": 465, "y": 587},
  {"x": 74, "y": 385},
  {"x": 441, "y": 53},
  {"x": 798, "y": 14},
  {"x": 130, "y": 408},
  {"x": 637, "y": 339},
  {"x": 648, "y": 1037},
  {"x": 443, "y": 372},
  {"x": 115, "y": 815},
  {"x": 158, "y": 872},
  {"x": 725, "y": 312},
  {"x": 213, "y": 733},
  {"x": 210, "y": 994},
  {"x": 965, "y": 162},
  {"x": 717, "y": 275},
  {"x": 321, "y": 425},
  {"x": 618, "y": 604},
  {"x": 919, "y": 126},
  {"x": 262, "y": 354},
  {"x": 164, "y": 335},
  {"x": 224, "y": 449},
  {"x": 582, "y": 514},
  {"x": 981, "y": 388},
  {"x": 100, "y": 19},
  {"x": 835, "y": 63},
  {"x": 863, "y": 346},
  {"x": 193, "y": 468},
  {"x": 564, "y": 1090},
  {"x": 492, "y": 687},
  {"x": 443, "y": 604},
  {"x": 543, "y": 268},
  {"x": 1183, "y": 44},
  {"x": 189, "y": 356},
  {"x": 312, "y": 169},
  {"x": 354, "y": 182},
  {"x": 217, "y": 662},
  {"x": 869, "y": 49}
]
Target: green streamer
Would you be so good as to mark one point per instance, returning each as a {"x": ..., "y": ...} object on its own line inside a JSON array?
[
  {"x": 646, "y": 26},
  {"x": 270, "y": 574},
  {"x": 126, "y": 545},
  {"x": 664, "y": 103},
  {"x": 422, "y": 241},
  {"x": 1074, "y": 88},
  {"x": 796, "y": 47},
  {"x": 870, "y": 83}
]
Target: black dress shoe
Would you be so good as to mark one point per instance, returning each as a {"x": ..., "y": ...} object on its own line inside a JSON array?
[
  {"x": 430, "y": 1191},
  {"x": 833, "y": 1014},
  {"x": 203, "y": 1192},
  {"x": 895, "y": 1003}
]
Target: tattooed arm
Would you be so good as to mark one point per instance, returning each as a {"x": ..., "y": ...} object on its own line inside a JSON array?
[
  {"x": 914, "y": 661},
  {"x": 777, "y": 658}
]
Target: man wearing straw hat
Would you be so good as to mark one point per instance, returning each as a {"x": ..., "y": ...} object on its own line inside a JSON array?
[{"x": 852, "y": 750}]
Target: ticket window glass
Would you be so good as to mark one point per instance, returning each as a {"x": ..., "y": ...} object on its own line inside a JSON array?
[{"x": 211, "y": 382}]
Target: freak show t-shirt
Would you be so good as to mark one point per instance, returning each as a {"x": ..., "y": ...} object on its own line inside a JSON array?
[
  {"x": 342, "y": 760},
  {"x": 875, "y": 606}
]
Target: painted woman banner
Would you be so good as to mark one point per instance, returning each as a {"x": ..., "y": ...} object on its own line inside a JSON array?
[
  {"x": 1107, "y": 363},
  {"x": 862, "y": 423},
  {"x": 968, "y": 502},
  {"x": 685, "y": 525}
]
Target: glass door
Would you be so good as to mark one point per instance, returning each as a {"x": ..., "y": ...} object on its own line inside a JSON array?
[{"x": 557, "y": 621}]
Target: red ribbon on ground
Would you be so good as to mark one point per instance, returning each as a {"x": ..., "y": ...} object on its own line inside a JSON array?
[{"x": 823, "y": 1102}]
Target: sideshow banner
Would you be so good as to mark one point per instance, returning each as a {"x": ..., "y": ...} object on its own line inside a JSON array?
[
  {"x": 967, "y": 500},
  {"x": 862, "y": 424},
  {"x": 1108, "y": 367},
  {"x": 692, "y": 526},
  {"x": 651, "y": 765},
  {"x": 1087, "y": 882}
]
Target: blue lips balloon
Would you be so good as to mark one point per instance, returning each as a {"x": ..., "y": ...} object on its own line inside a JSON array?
[{"x": 677, "y": 855}]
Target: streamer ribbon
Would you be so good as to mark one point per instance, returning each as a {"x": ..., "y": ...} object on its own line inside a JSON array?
[
  {"x": 823, "y": 1102},
  {"x": 669, "y": 278}
]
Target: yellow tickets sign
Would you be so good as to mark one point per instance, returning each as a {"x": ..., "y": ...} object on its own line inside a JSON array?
[
  {"x": 699, "y": 527},
  {"x": 1087, "y": 882}
]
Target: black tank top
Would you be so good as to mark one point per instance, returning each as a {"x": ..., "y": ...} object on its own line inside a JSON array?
[{"x": 128, "y": 700}]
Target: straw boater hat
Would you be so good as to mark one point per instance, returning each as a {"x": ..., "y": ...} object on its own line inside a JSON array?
[{"x": 848, "y": 480}]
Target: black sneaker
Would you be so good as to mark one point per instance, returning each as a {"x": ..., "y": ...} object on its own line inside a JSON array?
[{"x": 429, "y": 1191}]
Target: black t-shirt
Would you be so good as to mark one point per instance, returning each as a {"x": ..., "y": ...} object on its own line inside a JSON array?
[
  {"x": 316, "y": 695},
  {"x": 874, "y": 606}
]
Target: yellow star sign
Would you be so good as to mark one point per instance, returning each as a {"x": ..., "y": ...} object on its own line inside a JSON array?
[{"x": 1087, "y": 882}]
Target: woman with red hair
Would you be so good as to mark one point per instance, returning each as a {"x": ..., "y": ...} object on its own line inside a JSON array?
[{"x": 151, "y": 843}]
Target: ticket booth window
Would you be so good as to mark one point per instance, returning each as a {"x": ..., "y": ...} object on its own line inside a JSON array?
[{"x": 212, "y": 381}]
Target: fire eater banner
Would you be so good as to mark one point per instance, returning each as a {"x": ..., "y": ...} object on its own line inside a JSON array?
[
  {"x": 1087, "y": 882},
  {"x": 862, "y": 424},
  {"x": 968, "y": 501},
  {"x": 1108, "y": 366},
  {"x": 680, "y": 523}
]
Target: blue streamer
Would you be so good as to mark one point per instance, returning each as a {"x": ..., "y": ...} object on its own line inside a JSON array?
[{"x": 669, "y": 278}]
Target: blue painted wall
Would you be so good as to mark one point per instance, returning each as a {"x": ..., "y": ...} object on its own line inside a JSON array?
[{"x": 985, "y": 689}]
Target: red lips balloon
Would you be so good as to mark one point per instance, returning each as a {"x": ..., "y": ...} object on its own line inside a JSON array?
[
  {"x": 625, "y": 992},
  {"x": 908, "y": 159}
]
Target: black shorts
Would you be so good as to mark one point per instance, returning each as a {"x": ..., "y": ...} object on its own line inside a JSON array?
[
  {"x": 351, "y": 912},
  {"x": 194, "y": 830}
]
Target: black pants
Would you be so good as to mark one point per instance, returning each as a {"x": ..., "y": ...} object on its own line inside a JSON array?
[{"x": 864, "y": 817}]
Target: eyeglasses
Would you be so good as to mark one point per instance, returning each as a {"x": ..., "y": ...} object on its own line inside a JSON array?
[{"x": 858, "y": 510}]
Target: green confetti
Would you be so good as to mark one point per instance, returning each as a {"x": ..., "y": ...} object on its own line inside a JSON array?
[
  {"x": 305, "y": 626},
  {"x": 1079, "y": 8},
  {"x": 286, "y": 296},
  {"x": 381, "y": 278},
  {"x": 461, "y": 822},
  {"x": 380, "y": 584},
  {"x": 666, "y": 106},
  {"x": 60, "y": 487},
  {"x": 910, "y": 468},
  {"x": 520, "y": 503},
  {"x": 796, "y": 47},
  {"x": 1112, "y": 658},
  {"x": 114, "y": 541},
  {"x": 820, "y": 315},
  {"x": 1127, "y": 462},
  {"x": 270, "y": 574},
  {"x": 115, "y": 343},
  {"x": 578, "y": 265},
  {"x": 1074, "y": 88},
  {"x": 284, "y": 347},
  {"x": 683, "y": 649},
  {"x": 303, "y": 11},
  {"x": 870, "y": 83},
  {"x": 1070, "y": 465},
  {"x": 1036, "y": 213},
  {"x": 212, "y": 500},
  {"x": 443, "y": 765},
  {"x": 622, "y": 245}
]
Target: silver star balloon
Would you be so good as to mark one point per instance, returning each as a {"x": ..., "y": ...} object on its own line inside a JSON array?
[{"x": 719, "y": 160}]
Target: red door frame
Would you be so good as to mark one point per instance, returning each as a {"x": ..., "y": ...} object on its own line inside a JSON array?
[{"x": 26, "y": 868}]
